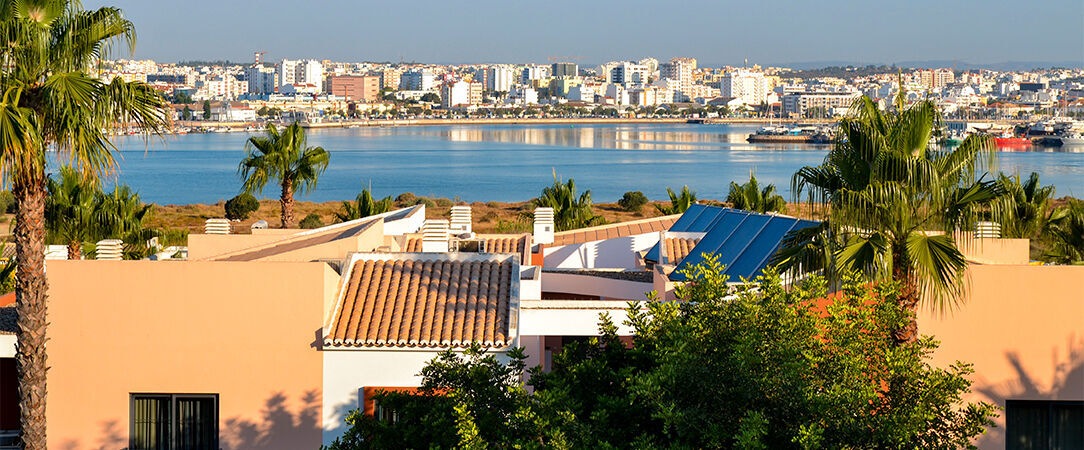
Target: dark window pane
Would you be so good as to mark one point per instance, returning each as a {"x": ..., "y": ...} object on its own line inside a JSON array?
[
  {"x": 150, "y": 423},
  {"x": 1067, "y": 425},
  {"x": 196, "y": 423},
  {"x": 1026, "y": 425}
]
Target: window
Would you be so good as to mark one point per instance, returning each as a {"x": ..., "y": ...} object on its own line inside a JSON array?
[
  {"x": 1044, "y": 424},
  {"x": 174, "y": 422}
]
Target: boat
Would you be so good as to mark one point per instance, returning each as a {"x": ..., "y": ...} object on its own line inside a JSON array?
[
  {"x": 1009, "y": 139},
  {"x": 1072, "y": 139},
  {"x": 798, "y": 134}
]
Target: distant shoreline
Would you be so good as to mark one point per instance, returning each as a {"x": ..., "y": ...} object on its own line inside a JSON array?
[{"x": 503, "y": 121}]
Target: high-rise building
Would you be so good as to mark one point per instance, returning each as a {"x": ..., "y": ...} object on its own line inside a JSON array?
[
  {"x": 936, "y": 78},
  {"x": 460, "y": 93},
  {"x": 629, "y": 73},
  {"x": 390, "y": 78},
  {"x": 308, "y": 71},
  {"x": 261, "y": 79},
  {"x": 288, "y": 72},
  {"x": 534, "y": 73},
  {"x": 564, "y": 69},
  {"x": 416, "y": 80},
  {"x": 680, "y": 70},
  {"x": 752, "y": 88},
  {"x": 356, "y": 88}
]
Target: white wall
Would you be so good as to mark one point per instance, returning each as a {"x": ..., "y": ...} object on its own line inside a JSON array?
[
  {"x": 569, "y": 317},
  {"x": 572, "y": 283},
  {"x": 617, "y": 253},
  {"x": 348, "y": 372}
]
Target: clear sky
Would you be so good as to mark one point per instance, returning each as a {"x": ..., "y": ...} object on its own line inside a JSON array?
[{"x": 714, "y": 31}]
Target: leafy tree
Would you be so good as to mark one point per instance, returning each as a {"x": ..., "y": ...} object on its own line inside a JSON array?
[
  {"x": 885, "y": 190},
  {"x": 430, "y": 97},
  {"x": 757, "y": 366},
  {"x": 186, "y": 113},
  {"x": 569, "y": 211},
  {"x": 679, "y": 203},
  {"x": 53, "y": 104},
  {"x": 128, "y": 212},
  {"x": 284, "y": 157},
  {"x": 1064, "y": 235},
  {"x": 633, "y": 201},
  {"x": 1025, "y": 204},
  {"x": 206, "y": 110},
  {"x": 751, "y": 197},
  {"x": 364, "y": 206},
  {"x": 240, "y": 206},
  {"x": 311, "y": 221},
  {"x": 73, "y": 211},
  {"x": 182, "y": 98}
]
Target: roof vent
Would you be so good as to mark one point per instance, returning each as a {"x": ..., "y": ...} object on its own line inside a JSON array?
[
  {"x": 217, "y": 226},
  {"x": 543, "y": 225},
  {"x": 435, "y": 236},
  {"x": 988, "y": 230},
  {"x": 461, "y": 219},
  {"x": 110, "y": 250}
]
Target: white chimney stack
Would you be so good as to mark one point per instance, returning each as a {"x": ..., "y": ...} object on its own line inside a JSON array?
[
  {"x": 110, "y": 250},
  {"x": 461, "y": 220},
  {"x": 435, "y": 236},
  {"x": 543, "y": 226},
  {"x": 216, "y": 226}
]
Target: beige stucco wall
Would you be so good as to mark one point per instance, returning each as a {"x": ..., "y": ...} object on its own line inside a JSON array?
[
  {"x": 1023, "y": 329},
  {"x": 247, "y": 331}
]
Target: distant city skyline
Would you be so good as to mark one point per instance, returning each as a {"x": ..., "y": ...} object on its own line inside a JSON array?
[{"x": 715, "y": 32}]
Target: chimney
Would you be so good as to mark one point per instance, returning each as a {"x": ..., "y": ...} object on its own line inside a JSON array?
[
  {"x": 543, "y": 226},
  {"x": 987, "y": 230},
  {"x": 216, "y": 226},
  {"x": 435, "y": 236},
  {"x": 110, "y": 250},
  {"x": 461, "y": 220}
]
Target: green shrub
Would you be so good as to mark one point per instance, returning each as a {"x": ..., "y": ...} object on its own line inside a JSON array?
[
  {"x": 424, "y": 201},
  {"x": 493, "y": 204},
  {"x": 311, "y": 221},
  {"x": 488, "y": 217},
  {"x": 406, "y": 198},
  {"x": 239, "y": 207},
  {"x": 444, "y": 203},
  {"x": 632, "y": 201},
  {"x": 7, "y": 202}
]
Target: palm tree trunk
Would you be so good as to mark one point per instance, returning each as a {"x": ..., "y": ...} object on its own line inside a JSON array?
[
  {"x": 908, "y": 295},
  {"x": 75, "y": 250},
  {"x": 287, "y": 202},
  {"x": 30, "y": 297}
]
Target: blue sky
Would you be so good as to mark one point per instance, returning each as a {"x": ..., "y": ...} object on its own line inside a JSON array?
[{"x": 715, "y": 32}]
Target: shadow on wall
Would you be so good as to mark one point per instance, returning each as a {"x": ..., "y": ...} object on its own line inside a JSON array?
[
  {"x": 278, "y": 427},
  {"x": 1067, "y": 384}
]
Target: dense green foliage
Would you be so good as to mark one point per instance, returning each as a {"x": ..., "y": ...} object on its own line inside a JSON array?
[
  {"x": 752, "y": 367},
  {"x": 286, "y": 158},
  {"x": 569, "y": 211},
  {"x": 430, "y": 97},
  {"x": 1026, "y": 205},
  {"x": 679, "y": 202},
  {"x": 7, "y": 202},
  {"x": 363, "y": 206},
  {"x": 206, "y": 110},
  {"x": 311, "y": 221},
  {"x": 632, "y": 201},
  {"x": 240, "y": 206},
  {"x": 1064, "y": 235},
  {"x": 78, "y": 212},
  {"x": 751, "y": 197}
]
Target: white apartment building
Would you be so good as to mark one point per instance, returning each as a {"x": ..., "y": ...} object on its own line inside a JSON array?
[
  {"x": 582, "y": 93},
  {"x": 460, "y": 93},
  {"x": 617, "y": 95},
  {"x": 532, "y": 73},
  {"x": 417, "y": 80},
  {"x": 287, "y": 71},
  {"x": 752, "y": 88},
  {"x": 522, "y": 96},
  {"x": 308, "y": 71},
  {"x": 222, "y": 87},
  {"x": 833, "y": 102},
  {"x": 629, "y": 73},
  {"x": 681, "y": 71},
  {"x": 261, "y": 79}
]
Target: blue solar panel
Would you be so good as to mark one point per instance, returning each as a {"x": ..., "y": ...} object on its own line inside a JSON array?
[
  {"x": 688, "y": 218},
  {"x": 756, "y": 255}
]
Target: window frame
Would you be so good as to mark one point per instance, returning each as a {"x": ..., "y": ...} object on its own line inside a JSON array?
[
  {"x": 1048, "y": 405},
  {"x": 173, "y": 422}
]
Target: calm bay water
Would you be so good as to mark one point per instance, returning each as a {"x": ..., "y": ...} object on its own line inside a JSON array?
[{"x": 512, "y": 162}]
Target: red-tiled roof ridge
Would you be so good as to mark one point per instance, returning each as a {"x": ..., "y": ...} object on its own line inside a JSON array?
[
  {"x": 614, "y": 230},
  {"x": 426, "y": 300}
]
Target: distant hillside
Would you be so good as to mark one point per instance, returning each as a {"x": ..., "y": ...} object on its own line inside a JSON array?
[{"x": 1008, "y": 66}]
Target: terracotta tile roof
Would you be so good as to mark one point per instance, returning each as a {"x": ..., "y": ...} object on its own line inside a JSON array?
[
  {"x": 409, "y": 301},
  {"x": 615, "y": 230},
  {"x": 677, "y": 249},
  {"x": 494, "y": 243}
]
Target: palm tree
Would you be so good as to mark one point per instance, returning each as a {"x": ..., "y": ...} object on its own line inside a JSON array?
[
  {"x": 569, "y": 211},
  {"x": 1025, "y": 203},
  {"x": 284, "y": 157},
  {"x": 751, "y": 197},
  {"x": 678, "y": 203},
  {"x": 51, "y": 104},
  {"x": 73, "y": 211},
  {"x": 364, "y": 206},
  {"x": 124, "y": 213},
  {"x": 885, "y": 192},
  {"x": 1064, "y": 235}
]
